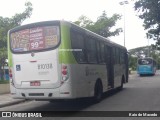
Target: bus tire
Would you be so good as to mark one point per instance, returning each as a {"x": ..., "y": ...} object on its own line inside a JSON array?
[{"x": 98, "y": 91}]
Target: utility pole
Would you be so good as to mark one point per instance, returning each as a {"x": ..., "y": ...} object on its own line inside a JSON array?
[{"x": 123, "y": 3}]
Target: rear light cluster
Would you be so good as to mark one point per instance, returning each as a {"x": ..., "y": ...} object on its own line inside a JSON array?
[
  {"x": 10, "y": 73},
  {"x": 65, "y": 75},
  {"x": 11, "y": 76}
]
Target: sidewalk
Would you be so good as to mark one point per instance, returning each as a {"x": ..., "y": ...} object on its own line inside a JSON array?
[{"x": 7, "y": 100}]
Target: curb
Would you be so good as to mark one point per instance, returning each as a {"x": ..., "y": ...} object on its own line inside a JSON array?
[{"x": 11, "y": 103}]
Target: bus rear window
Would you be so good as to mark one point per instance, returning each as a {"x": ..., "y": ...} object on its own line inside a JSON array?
[
  {"x": 38, "y": 38},
  {"x": 144, "y": 61}
]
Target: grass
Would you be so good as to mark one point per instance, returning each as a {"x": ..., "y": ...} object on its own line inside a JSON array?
[{"x": 4, "y": 81}]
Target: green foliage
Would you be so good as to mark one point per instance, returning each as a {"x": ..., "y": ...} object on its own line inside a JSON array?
[
  {"x": 17, "y": 19},
  {"x": 154, "y": 53},
  {"x": 145, "y": 51},
  {"x": 132, "y": 62},
  {"x": 83, "y": 21},
  {"x": 149, "y": 11},
  {"x": 102, "y": 26},
  {"x": 4, "y": 81},
  {"x": 140, "y": 51},
  {"x": 8, "y": 23}
]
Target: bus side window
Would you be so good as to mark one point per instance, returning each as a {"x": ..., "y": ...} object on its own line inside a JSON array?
[
  {"x": 78, "y": 46},
  {"x": 91, "y": 50},
  {"x": 117, "y": 56},
  {"x": 100, "y": 52},
  {"x": 102, "y": 49},
  {"x": 114, "y": 55},
  {"x": 122, "y": 57}
]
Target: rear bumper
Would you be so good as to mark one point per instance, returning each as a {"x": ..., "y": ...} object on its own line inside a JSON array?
[
  {"x": 145, "y": 72},
  {"x": 41, "y": 94}
]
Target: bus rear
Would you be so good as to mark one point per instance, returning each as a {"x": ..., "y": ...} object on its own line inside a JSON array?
[
  {"x": 33, "y": 60},
  {"x": 146, "y": 66}
]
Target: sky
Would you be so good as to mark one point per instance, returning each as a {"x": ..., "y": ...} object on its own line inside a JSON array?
[{"x": 71, "y": 10}]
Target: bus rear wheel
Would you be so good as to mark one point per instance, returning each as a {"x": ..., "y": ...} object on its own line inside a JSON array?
[{"x": 98, "y": 92}]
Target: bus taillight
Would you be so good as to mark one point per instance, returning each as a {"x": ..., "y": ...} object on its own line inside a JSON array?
[
  {"x": 64, "y": 72},
  {"x": 10, "y": 73}
]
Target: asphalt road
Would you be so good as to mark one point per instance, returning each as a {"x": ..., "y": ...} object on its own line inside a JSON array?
[{"x": 140, "y": 94}]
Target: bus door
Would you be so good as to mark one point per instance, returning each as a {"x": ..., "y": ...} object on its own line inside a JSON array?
[{"x": 110, "y": 66}]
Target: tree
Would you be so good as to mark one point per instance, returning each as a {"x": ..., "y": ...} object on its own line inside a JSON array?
[
  {"x": 102, "y": 26},
  {"x": 8, "y": 23},
  {"x": 149, "y": 11},
  {"x": 83, "y": 21},
  {"x": 149, "y": 51},
  {"x": 132, "y": 62}
]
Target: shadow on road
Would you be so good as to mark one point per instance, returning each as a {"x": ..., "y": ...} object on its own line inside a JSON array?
[
  {"x": 146, "y": 75},
  {"x": 72, "y": 106}
]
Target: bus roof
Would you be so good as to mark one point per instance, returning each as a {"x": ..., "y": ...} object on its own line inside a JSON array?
[
  {"x": 88, "y": 32},
  {"x": 69, "y": 24}
]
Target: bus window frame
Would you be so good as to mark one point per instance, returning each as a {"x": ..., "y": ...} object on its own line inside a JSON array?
[
  {"x": 101, "y": 58},
  {"x": 84, "y": 46},
  {"x": 152, "y": 61},
  {"x": 90, "y": 38}
]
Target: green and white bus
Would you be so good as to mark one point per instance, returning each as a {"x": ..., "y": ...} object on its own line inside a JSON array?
[{"x": 60, "y": 60}]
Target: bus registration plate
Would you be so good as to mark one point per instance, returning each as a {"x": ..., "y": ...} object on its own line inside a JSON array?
[{"x": 35, "y": 83}]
